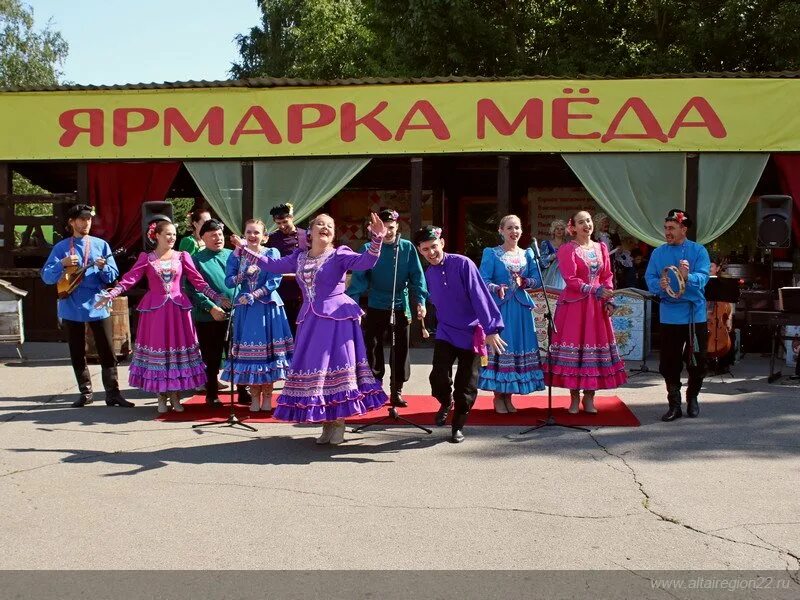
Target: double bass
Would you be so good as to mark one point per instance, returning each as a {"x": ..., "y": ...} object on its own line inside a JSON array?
[{"x": 719, "y": 338}]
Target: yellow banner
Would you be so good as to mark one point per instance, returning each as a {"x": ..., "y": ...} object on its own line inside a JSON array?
[{"x": 656, "y": 115}]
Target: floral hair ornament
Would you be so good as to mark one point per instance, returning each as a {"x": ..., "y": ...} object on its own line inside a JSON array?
[
  {"x": 428, "y": 233},
  {"x": 151, "y": 231}
]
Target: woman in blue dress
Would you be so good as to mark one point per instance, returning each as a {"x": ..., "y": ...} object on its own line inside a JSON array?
[
  {"x": 549, "y": 253},
  {"x": 262, "y": 341},
  {"x": 508, "y": 271}
]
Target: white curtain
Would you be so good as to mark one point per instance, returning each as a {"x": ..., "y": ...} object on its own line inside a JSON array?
[
  {"x": 635, "y": 189},
  {"x": 726, "y": 183},
  {"x": 305, "y": 183},
  {"x": 220, "y": 182}
]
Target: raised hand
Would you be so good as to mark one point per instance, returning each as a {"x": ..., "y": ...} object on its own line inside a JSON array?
[{"x": 376, "y": 226}]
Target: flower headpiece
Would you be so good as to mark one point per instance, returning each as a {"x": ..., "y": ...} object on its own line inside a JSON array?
[
  {"x": 679, "y": 216},
  {"x": 428, "y": 233},
  {"x": 387, "y": 215},
  {"x": 151, "y": 231}
]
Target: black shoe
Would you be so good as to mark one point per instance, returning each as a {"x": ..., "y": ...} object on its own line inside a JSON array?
[
  {"x": 457, "y": 437},
  {"x": 692, "y": 407},
  {"x": 83, "y": 400},
  {"x": 213, "y": 402},
  {"x": 244, "y": 396},
  {"x": 441, "y": 414},
  {"x": 116, "y": 399},
  {"x": 673, "y": 413},
  {"x": 396, "y": 399}
]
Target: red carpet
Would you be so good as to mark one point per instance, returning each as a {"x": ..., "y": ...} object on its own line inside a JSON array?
[{"x": 612, "y": 412}]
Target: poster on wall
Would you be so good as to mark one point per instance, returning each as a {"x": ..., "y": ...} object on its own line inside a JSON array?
[{"x": 548, "y": 204}]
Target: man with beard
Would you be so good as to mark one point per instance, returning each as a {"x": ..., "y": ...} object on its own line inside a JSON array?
[
  {"x": 468, "y": 320},
  {"x": 77, "y": 309},
  {"x": 379, "y": 283},
  {"x": 287, "y": 239}
]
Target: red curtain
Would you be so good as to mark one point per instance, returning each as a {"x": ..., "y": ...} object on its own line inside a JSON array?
[
  {"x": 789, "y": 169},
  {"x": 117, "y": 191}
]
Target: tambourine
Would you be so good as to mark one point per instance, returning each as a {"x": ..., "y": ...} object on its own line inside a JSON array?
[{"x": 678, "y": 277}]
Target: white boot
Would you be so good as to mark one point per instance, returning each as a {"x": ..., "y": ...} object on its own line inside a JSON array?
[
  {"x": 255, "y": 394},
  {"x": 266, "y": 397},
  {"x": 175, "y": 401},
  {"x": 162, "y": 403},
  {"x": 327, "y": 432},
  {"x": 338, "y": 432}
]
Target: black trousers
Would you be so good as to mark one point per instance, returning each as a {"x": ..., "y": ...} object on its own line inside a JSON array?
[
  {"x": 211, "y": 337},
  {"x": 464, "y": 389},
  {"x": 676, "y": 349},
  {"x": 103, "y": 341},
  {"x": 376, "y": 326},
  {"x": 292, "y": 308}
]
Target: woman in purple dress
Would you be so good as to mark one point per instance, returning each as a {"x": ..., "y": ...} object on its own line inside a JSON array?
[
  {"x": 166, "y": 356},
  {"x": 329, "y": 378}
]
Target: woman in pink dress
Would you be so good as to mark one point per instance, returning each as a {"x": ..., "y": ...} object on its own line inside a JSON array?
[
  {"x": 166, "y": 356},
  {"x": 583, "y": 351}
]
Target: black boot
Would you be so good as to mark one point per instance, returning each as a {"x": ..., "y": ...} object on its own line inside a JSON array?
[
  {"x": 85, "y": 388},
  {"x": 111, "y": 385},
  {"x": 396, "y": 398},
  {"x": 674, "y": 399},
  {"x": 692, "y": 391},
  {"x": 457, "y": 435},
  {"x": 441, "y": 414}
]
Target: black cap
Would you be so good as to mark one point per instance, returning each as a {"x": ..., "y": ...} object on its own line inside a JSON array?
[
  {"x": 80, "y": 211},
  {"x": 679, "y": 216},
  {"x": 387, "y": 215},
  {"x": 281, "y": 211},
  {"x": 427, "y": 234},
  {"x": 211, "y": 225}
]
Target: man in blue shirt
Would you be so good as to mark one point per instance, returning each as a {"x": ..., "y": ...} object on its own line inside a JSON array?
[
  {"x": 378, "y": 284},
  {"x": 77, "y": 309},
  {"x": 682, "y": 311}
]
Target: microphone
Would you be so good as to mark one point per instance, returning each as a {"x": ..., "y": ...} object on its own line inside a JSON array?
[{"x": 536, "y": 249}]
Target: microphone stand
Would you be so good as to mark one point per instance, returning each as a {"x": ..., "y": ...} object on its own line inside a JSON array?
[
  {"x": 233, "y": 420},
  {"x": 549, "y": 420},
  {"x": 393, "y": 415}
]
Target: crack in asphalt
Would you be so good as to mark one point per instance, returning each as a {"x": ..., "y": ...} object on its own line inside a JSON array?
[
  {"x": 667, "y": 519},
  {"x": 360, "y": 502}
]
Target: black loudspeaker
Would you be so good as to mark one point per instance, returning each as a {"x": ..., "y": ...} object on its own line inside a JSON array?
[
  {"x": 774, "y": 221},
  {"x": 154, "y": 211}
]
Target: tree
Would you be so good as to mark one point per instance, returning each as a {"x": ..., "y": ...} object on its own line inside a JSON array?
[
  {"x": 413, "y": 38},
  {"x": 28, "y": 57}
]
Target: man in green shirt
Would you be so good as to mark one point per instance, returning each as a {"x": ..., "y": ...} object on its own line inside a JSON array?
[
  {"x": 378, "y": 283},
  {"x": 210, "y": 319}
]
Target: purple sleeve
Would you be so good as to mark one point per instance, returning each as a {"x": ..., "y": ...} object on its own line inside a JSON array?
[
  {"x": 355, "y": 261},
  {"x": 481, "y": 300},
  {"x": 287, "y": 264},
  {"x": 130, "y": 278}
]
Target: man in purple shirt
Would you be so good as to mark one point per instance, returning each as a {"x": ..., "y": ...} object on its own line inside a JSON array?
[
  {"x": 468, "y": 321},
  {"x": 287, "y": 239}
]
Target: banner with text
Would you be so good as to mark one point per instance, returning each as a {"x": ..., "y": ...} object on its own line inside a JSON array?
[{"x": 631, "y": 115}]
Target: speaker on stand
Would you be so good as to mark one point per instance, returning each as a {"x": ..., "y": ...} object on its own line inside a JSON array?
[
  {"x": 774, "y": 226},
  {"x": 154, "y": 211}
]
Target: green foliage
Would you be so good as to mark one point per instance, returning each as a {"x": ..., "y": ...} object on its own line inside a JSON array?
[
  {"x": 326, "y": 39},
  {"x": 180, "y": 208},
  {"x": 27, "y": 57}
]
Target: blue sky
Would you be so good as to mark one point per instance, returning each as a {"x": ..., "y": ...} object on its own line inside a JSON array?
[{"x": 135, "y": 41}]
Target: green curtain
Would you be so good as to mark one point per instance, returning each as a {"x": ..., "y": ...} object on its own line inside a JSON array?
[
  {"x": 220, "y": 182},
  {"x": 726, "y": 183},
  {"x": 306, "y": 183},
  {"x": 635, "y": 189}
]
